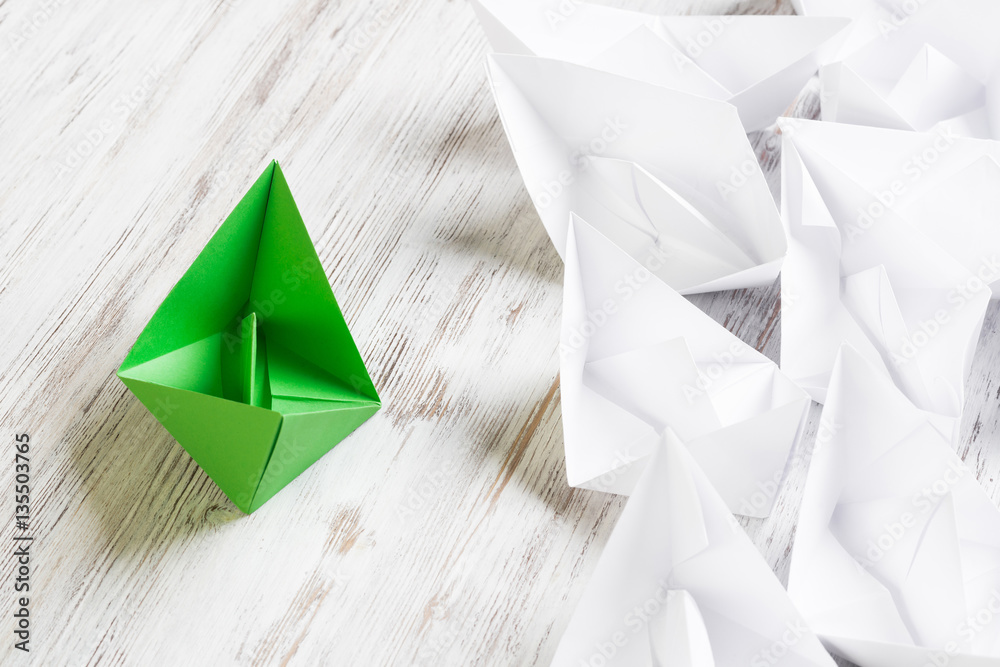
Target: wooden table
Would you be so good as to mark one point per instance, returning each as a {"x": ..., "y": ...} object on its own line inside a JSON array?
[{"x": 443, "y": 531}]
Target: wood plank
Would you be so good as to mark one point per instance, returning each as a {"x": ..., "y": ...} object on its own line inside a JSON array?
[{"x": 443, "y": 532}]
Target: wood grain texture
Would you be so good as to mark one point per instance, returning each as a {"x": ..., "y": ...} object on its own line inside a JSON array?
[{"x": 442, "y": 532}]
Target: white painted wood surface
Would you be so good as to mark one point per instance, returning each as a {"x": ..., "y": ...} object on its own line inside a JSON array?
[{"x": 443, "y": 531}]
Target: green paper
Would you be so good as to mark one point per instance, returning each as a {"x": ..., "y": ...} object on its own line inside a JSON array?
[{"x": 248, "y": 362}]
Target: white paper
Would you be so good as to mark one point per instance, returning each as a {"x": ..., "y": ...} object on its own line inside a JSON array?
[
  {"x": 896, "y": 561},
  {"x": 637, "y": 357},
  {"x": 759, "y": 63},
  {"x": 868, "y": 20},
  {"x": 657, "y": 170},
  {"x": 915, "y": 65},
  {"x": 894, "y": 258},
  {"x": 679, "y": 584}
]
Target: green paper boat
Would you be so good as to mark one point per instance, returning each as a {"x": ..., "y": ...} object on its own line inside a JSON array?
[{"x": 248, "y": 362}]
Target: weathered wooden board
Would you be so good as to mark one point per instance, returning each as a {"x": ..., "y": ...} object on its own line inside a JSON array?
[{"x": 443, "y": 531}]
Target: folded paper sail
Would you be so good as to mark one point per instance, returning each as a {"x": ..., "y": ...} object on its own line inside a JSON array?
[
  {"x": 702, "y": 55},
  {"x": 893, "y": 242},
  {"x": 679, "y": 584},
  {"x": 248, "y": 362},
  {"x": 868, "y": 20},
  {"x": 915, "y": 65},
  {"x": 654, "y": 169},
  {"x": 637, "y": 357},
  {"x": 896, "y": 561}
]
